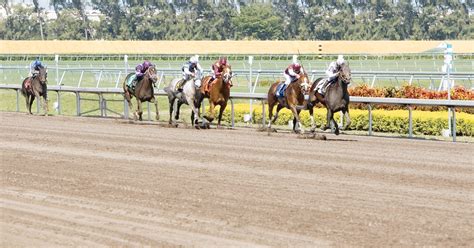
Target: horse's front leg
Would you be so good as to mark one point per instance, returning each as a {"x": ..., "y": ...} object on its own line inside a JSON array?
[
  {"x": 139, "y": 111},
  {"x": 171, "y": 102},
  {"x": 328, "y": 120},
  {"x": 347, "y": 117},
  {"x": 210, "y": 118},
  {"x": 297, "y": 117},
  {"x": 311, "y": 116},
  {"x": 194, "y": 112},
  {"x": 178, "y": 107},
  {"x": 45, "y": 104},
  {"x": 157, "y": 113},
  {"x": 221, "y": 111}
]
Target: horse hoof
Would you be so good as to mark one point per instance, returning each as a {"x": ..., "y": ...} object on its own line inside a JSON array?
[
  {"x": 336, "y": 132},
  {"x": 312, "y": 130}
]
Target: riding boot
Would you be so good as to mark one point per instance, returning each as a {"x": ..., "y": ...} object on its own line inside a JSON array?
[{"x": 180, "y": 86}]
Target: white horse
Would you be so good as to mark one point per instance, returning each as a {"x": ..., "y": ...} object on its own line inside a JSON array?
[{"x": 189, "y": 95}]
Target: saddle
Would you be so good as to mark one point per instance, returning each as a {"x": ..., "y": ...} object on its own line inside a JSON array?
[
  {"x": 132, "y": 82},
  {"x": 179, "y": 86}
]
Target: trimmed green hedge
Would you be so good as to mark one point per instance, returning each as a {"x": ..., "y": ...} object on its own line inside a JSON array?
[{"x": 391, "y": 121}]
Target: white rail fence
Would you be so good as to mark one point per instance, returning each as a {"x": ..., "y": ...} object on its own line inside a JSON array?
[
  {"x": 251, "y": 79},
  {"x": 369, "y": 101}
]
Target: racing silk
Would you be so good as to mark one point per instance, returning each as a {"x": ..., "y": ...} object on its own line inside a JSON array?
[
  {"x": 217, "y": 68},
  {"x": 141, "y": 69},
  {"x": 290, "y": 71},
  {"x": 190, "y": 68},
  {"x": 331, "y": 72}
]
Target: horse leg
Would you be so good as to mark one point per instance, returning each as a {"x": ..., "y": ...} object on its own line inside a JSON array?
[
  {"x": 130, "y": 105},
  {"x": 221, "y": 111},
  {"x": 139, "y": 109},
  {"x": 328, "y": 120},
  {"x": 347, "y": 117},
  {"x": 45, "y": 104},
  {"x": 178, "y": 107},
  {"x": 311, "y": 116},
  {"x": 157, "y": 113},
  {"x": 211, "y": 110},
  {"x": 270, "y": 114},
  {"x": 194, "y": 112},
  {"x": 296, "y": 120},
  {"x": 275, "y": 117},
  {"x": 331, "y": 120},
  {"x": 28, "y": 104}
]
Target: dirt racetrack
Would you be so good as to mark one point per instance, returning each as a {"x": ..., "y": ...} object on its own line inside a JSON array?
[{"x": 70, "y": 181}]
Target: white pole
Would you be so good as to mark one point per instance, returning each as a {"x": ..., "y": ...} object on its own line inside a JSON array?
[
  {"x": 56, "y": 61},
  {"x": 250, "y": 84},
  {"x": 125, "y": 60}
]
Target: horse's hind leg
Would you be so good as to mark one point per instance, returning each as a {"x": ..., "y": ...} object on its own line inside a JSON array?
[
  {"x": 275, "y": 117},
  {"x": 28, "y": 108},
  {"x": 30, "y": 104},
  {"x": 178, "y": 107},
  {"x": 128, "y": 98},
  {"x": 221, "y": 111},
  {"x": 328, "y": 120},
  {"x": 45, "y": 104}
]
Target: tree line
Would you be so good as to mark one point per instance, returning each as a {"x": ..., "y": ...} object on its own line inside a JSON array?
[{"x": 237, "y": 20}]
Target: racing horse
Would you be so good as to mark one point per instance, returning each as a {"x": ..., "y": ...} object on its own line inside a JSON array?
[
  {"x": 218, "y": 94},
  {"x": 189, "y": 95},
  {"x": 143, "y": 92},
  {"x": 35, "y": 87},
  {"x": 335, "y": 99},
  {"x": 294, "y": 99}
]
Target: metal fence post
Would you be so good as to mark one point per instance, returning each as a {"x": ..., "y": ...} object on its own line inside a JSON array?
[
  {"x": 410, "y": 122},
  {"x": 148, "y": 109},
  {"x": 370, "y": 119},
  {"x": 78, "y": 103},
  {"x": 454, "y": 123},
  {"x": 18, "y": 100},
  {"x": 59, "y": 102},
  {"x": 232, "y": 115},
  {"x": 100, "y": 105}
]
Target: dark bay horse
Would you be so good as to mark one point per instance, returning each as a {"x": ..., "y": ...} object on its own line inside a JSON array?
[
  {"x": 143, "y": 92},
  {"x": 294, "y": 99},
  {"x": 218, "y": 94},
  {"x": 189, "y": 95},
  {"x": 35, "y": 87},
  {"x": 335, "y": 99}
]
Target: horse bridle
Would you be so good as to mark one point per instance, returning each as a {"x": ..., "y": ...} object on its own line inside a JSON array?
[
  {"x": 343, "y": 76},
  {"x": 153, "y": 77},
  {"x": 227, "y": 75}
]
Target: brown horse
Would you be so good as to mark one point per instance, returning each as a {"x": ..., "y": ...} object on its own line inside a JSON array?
[
  {"x": 294, "y": 99},
  {"x": 335, "y": 99},
  {"x": 218, "y": 94},
  {"x": 36, "y": 87},
  {"x": 143, "y": 92}
]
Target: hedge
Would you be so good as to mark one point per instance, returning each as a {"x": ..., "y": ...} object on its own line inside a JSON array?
[{"x": 391, "y": 121}]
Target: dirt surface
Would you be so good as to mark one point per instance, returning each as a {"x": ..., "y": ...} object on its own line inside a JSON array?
[{"x": 68, "y": 181}]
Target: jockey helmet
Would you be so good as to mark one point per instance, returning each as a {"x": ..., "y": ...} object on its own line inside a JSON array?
[
  {"x": 194, "y": 59},
  {"x": 296, "y": 67},
  {"x": 340, "y": 60},
  {"x": 146, "y": 64},
  {"x": 223, "y": 61}
]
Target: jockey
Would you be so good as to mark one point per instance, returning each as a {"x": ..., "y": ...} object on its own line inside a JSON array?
[
  {"x": 331, "y": 74},
  {"x": 218, "y": 67},
  {"x": 292, "y": 72},
  {"x": 189, "y": 70},
  {"x": 140, "y": 69},
  {"x": 35, "y": 66},
  {"x": 190, "y": 67}
]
